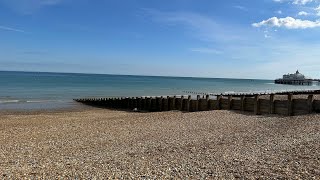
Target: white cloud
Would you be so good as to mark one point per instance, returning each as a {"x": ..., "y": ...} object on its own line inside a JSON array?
[
  {"x": 297, "y": 2},
  {"x": 302, "y": 2},
  {"x": 279, "y": 12},
  {"x": 206, "y": 50},
  {"x": 201, "y": 26},
  {"x": 5, "y": 28},
  {"x": 303, "y": 13},
  {"x": 288, "y": 22}
]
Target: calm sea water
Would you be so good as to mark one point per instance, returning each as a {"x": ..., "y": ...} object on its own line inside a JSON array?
[{"x": 30, "y": 90}]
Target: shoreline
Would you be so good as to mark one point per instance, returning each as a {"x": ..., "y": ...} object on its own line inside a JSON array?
[{"x": 75, "y": 107}]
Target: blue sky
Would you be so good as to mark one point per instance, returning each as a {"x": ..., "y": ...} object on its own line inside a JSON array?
[{"x": 203, "y": 38}]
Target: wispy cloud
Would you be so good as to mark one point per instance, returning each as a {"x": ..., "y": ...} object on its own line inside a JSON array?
[
  {"x": 204, "y": 27},
  {"x": 5, "y": 28},
  {"x": 28, "y": 6},
  {"x": 241, "y": 8},
  {"x": 206, "y": 50}
]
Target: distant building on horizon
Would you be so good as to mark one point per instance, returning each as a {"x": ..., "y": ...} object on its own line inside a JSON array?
[
  {"x": 294, "y": 79},
  {"x": 295, "y": 76}
]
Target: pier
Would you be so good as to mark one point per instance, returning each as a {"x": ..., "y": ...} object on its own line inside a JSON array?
[
  {"x": 259, "y": 103},
  {"x": 295, "y": 79}
]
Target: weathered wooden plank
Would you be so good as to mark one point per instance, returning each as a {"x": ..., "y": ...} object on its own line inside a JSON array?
[
  {"x": 300, "y": 112},
  {"x": 193, "y": 106},
  {"x": 135, "y": 102},
  {"x": 230, "y": 99},
  {"x": 271, "y": 104},
  {"x": 224, "y": 104},
  {"x": 219, "y": 98},
  {"x": 153, "y": 105},
  {"x": 213, "y": 104},
  {"x": 171, "y": 101},
  {"x": 264, "y": 102},
  {"x": 242, "y": 101},
  {"x": 249, "y": 104},
  {"x": 280, "y": 104},
  {"x": 185, "y": 105},
  {"x": 310, "y": 103},
  {"x": 281, "y": 110},
  {"x": 300, "y": 101},
  {"x": 178, "y": 103},
  {"x": 265, "y": 110},
  {"x": 290, "y": 105},
  {"x": 236, "y": 104},
  {"x": 165, "y": 104},
  {"x": 316, "y": 106},
  {"x": 300, "y": 104},
  {"x": 264, "y": 106},
  {"x": 202, "y": 105},
  {"x": 159, "y": 103}
]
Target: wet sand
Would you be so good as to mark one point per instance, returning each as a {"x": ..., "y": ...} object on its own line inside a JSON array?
[{"x": 102, "y": 143}]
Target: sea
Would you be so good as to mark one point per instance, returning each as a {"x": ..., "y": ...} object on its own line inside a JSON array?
[{"x": 45, "y": 91}]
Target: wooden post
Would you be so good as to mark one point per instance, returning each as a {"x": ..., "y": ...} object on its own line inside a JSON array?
[
  {"x": 139, "y": 106},
  {"x": 169, "y": 103},
  {"x": 197, "y": 103},
  {"x": 160, "y": 103},
  {"x": 148, "y": 103},
  {"x": 207, "y": 97},
  {"x": 118, "y": 103},
  {"x": 174, "y": 103},
  {"x": 242, "y": 103},
  {"x": 188, "y": 103},
  {"x": 229, "y": 102},
  {"x": 121, "y": 103},
  {"x": 114, "y": 102},
  {"x": 207, "y": 101},
  {"x": 127, "y": 103},
  {"x": 256, "y": 105},
  {"x": 290, "y": 96},
  {"x": 153, "y": 104},
  {"x": 271, "y": 103},
  {"x": 132, "y": 103},
  {"x": 181, "y": 104},
  {"x": 310, "y": 102},
  {"x": 219, "y": 102},
  {"x": 135, "y": 102},
  {"x": 144, "y": 103}
]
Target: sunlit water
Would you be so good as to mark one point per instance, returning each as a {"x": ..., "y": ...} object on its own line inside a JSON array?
[{"x": 25, "y": 90}]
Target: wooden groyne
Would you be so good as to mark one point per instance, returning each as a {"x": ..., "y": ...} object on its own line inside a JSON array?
[
  {"x": 246, "y": 102},
  {"x": 238, "y": 94}
]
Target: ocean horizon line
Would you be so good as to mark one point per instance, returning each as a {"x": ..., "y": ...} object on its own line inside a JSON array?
[{"x": 137, "y": 75}]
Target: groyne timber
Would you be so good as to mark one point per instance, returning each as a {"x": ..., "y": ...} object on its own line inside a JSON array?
[{"x": 258, "y": 103}]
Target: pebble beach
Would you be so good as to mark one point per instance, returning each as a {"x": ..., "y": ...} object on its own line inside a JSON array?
[{"x": 98, "y": 144}]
